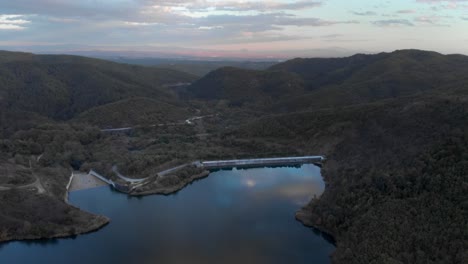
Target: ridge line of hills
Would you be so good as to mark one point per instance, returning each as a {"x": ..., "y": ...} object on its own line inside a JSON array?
[
  {"x": 62, "y": 86},
  {"x": 319, "y": 83}
]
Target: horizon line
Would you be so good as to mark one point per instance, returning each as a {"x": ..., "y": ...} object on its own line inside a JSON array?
[{"x": 187, "y": 56}]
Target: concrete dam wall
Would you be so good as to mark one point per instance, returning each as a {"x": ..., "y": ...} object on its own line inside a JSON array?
[{"x": 217, "y": 164}]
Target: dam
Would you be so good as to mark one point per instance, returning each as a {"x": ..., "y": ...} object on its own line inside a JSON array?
[
  {"x": 94, "y": 179},
  {"x": 219, "y": 164}
]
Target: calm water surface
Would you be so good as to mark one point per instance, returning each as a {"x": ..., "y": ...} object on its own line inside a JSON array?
[{"x": 233, "y": 216}]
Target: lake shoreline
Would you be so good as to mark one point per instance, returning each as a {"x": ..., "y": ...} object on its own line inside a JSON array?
[
  {"x": 232, "y": 206},
  {"x": 100, "y": 223},
  {"x": 304, "y": 216}
]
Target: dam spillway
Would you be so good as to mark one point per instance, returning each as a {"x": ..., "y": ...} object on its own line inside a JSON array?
[{"x": 217, "y": 164}]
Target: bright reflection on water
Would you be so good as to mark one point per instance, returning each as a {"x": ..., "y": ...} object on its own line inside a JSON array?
[{"x": 233, "y": 216}]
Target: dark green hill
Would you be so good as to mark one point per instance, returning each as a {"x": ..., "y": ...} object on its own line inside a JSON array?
[
  {"x": 62, "y": 86},
  {"x": 240, "y": 86},
  {"x": 366, "y": 78},
  {"x": 134, "y": 111},
  {"x": 403, "y": 66},
  {"x": 301, "y": 84},
  {"x": 396, "y": 176},
  {"x": 7, "y": 56},
  {"x": 318, "y": 72}
]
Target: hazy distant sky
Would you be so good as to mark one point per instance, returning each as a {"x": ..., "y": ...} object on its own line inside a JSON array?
[{"x": 242, "y": 28}]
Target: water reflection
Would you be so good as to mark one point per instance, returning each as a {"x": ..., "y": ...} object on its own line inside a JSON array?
[{"x": 233, "y": 216}]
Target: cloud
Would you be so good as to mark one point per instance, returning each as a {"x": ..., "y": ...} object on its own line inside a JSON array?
[
  {"x": 260, "y": 22},
  {"x": 129, "y": 22},
  {"x": 310, "y": 21},
  {"x": 440, "y": 1},
  {"x": 201, "y": 23},
  {"x": 332, "y": 36},
  {"x": 432, "y": 20},
  {"x": 239, "y": 6},
  {"x": 139, "y": 24},
  {"x": 342, "y": 38},
  {"x": 10, "y": 27},
  {"x": 13, "y": 22},
  {"x": 367, "y": 13},
  {"x": 145, "y": 9},
  {"x": 406, "y": 11},
  {"x": 63, "y": 20},
  {"x": 263, "y": 37},
  {"x": 299, "y": 5},
  {"x": 393, "y": 23},
  {"x": 446, "y": 5},
  {"x": 72, "y": 8},
  {"x": 134, "y": 8},
  {"x": 210, "y": 28}
]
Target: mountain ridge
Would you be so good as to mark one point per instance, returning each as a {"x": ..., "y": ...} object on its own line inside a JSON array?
[
  {"x": 341, "y": 81},
  {"x": 61, "y": 86}
]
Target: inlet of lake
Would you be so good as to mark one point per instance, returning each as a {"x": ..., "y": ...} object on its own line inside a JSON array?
[{"x": 232, "y": 216}]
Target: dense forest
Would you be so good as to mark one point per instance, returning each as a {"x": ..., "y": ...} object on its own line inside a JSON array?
[
  {"x": 62, "y": 87},
  {"x": 393, "y": 127},
  {"x": 396, "y": 177}
]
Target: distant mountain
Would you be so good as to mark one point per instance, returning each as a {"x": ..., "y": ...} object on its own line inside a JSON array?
[
  {"x": 195, "y": 67},
  {"x": 61, "y": 87},
  {"x": 239, "y": 86},
  {"x": 318, "y": 72},
  {"x": 338, "y": 81},
  {"x": 366, "y": 78}
]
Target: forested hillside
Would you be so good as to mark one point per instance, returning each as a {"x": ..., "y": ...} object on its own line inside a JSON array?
[
  {"x": 367, "y": 78},
  {"x": 239, "y": 86},
  {"x": 321, "y": 83},
  {"x": 134, "y": 111},
  {"x": 396, "y": 176},
  {"x": 393, "y": 127},
  {"x": 61, "y": 87},
  {"x": 51, "y": 112}
]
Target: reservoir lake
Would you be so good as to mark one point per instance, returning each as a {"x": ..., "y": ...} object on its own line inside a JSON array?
[{"x": 232, "y": 216}]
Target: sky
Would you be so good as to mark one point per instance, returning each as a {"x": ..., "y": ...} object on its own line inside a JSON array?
[{"x": 226, "y": 28}]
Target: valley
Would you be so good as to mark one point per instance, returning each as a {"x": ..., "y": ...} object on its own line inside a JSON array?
[{"x": 393, "y": 127}]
